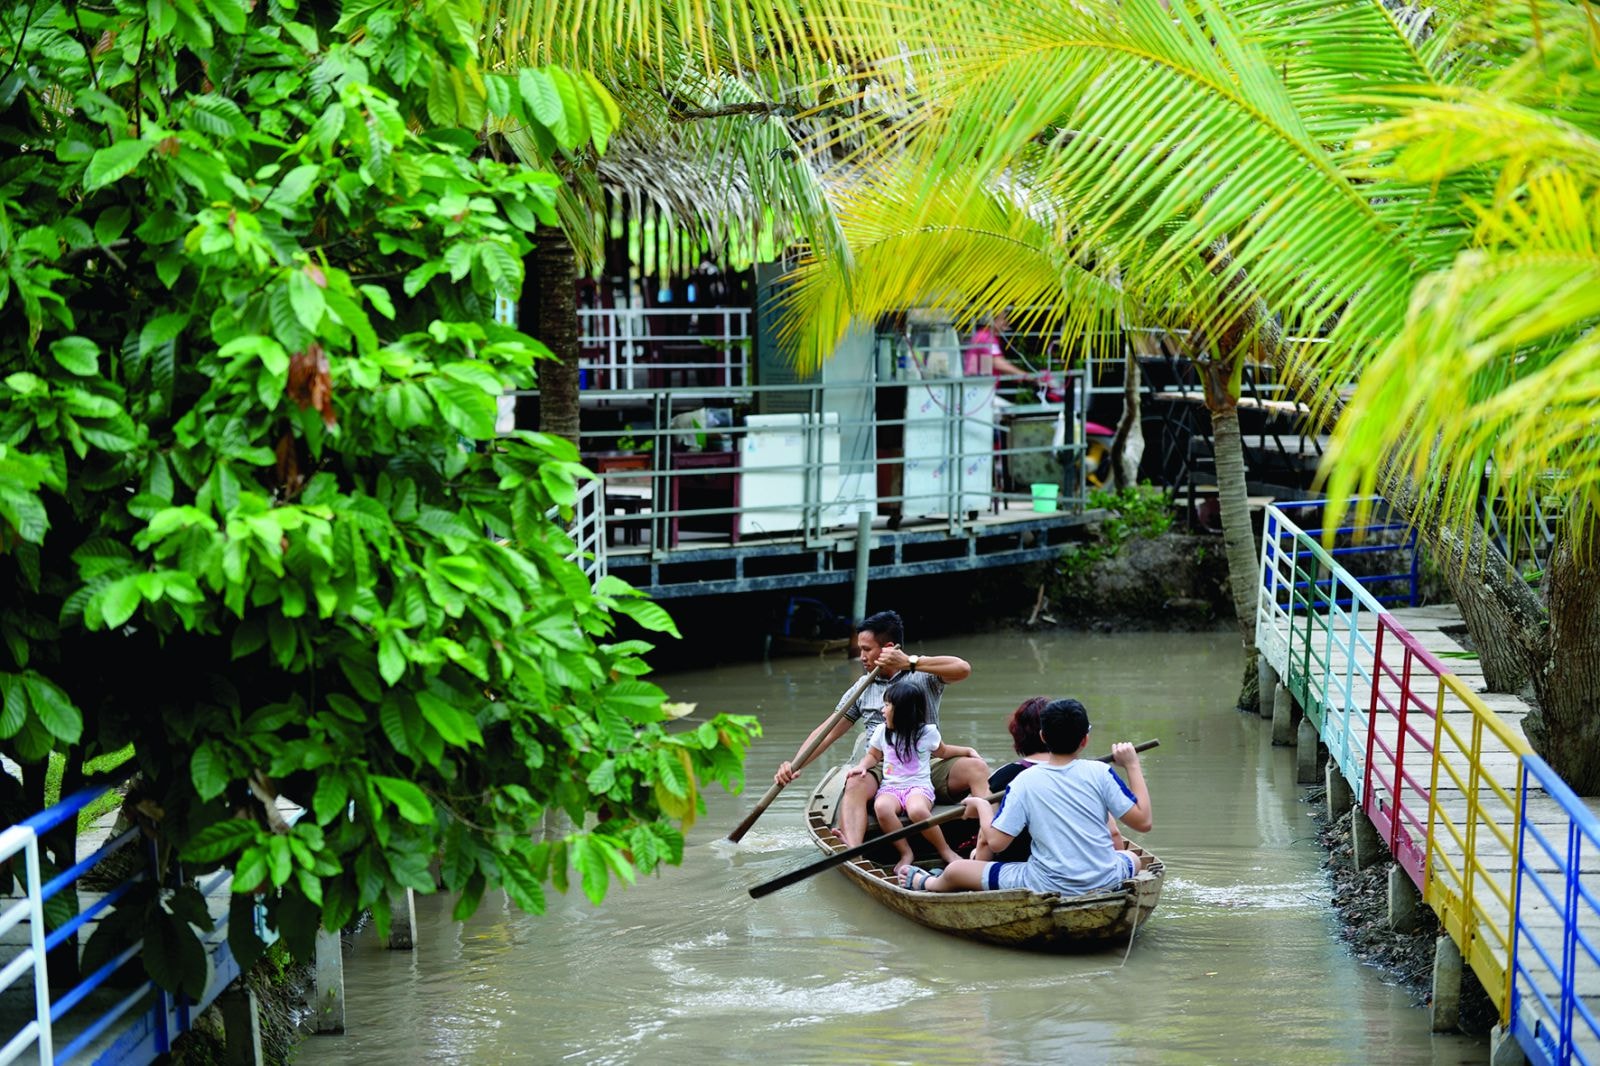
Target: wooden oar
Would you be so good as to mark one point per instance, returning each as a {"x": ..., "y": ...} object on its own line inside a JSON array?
[
  {"x": 805, "y": 754},
  {"x": 827, "y": 862}
]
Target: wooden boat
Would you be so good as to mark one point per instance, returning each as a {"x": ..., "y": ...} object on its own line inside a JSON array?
[
  {"x": 778, "y": 644},
  {"x": 1015, "y": 917},
  {"x": 809, "y": 627}
]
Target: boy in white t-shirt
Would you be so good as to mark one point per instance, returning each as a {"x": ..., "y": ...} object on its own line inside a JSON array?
[
  {"x": 907, "y": 745},
  {"x": 1064, "y": 802}
]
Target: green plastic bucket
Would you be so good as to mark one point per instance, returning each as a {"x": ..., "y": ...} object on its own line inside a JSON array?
[{"x": 1045, "y": 495}]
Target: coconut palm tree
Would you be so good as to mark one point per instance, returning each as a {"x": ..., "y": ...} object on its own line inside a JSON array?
[
  {"x": 1344, "y": 194},
  {"x": 1199, "y": 149},
  {"x": 1488, "y": 392},
  {"x": 1272, "y": 163}
]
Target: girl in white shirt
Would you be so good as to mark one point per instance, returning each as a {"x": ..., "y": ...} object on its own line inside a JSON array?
[{"x": 907, "y": 745}]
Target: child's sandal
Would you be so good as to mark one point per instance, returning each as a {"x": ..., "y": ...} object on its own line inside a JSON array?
[{"x": 916, "y": 879}]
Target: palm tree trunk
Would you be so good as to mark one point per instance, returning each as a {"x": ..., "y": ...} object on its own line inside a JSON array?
[
  {"x": 1503, "y": 669},
  {"x": 550, "y": 305},
  {"x": 1565, "y": 728},
  {"x": 1233, "y": 500},
  {"x": 1127, "y": 446}
]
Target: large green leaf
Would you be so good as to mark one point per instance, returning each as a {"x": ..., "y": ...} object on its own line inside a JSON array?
[
  {"x": 53, "y": 708},
  {"x": 219, "y": 840},
  {"x": 409, "y": 800},
  {"x": 208, "y": 770},
  {"x": 114, "y": 162}
]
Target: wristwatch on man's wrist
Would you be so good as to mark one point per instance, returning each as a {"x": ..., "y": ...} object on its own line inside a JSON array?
[{"x": 914, "y": 660}]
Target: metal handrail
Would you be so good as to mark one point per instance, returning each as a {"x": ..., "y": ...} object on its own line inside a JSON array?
[
  {"x": 1454, "y": 890},
  {"x": 1451, "y": 853},
  {"x": 24, "y": 838},
  {"x": 1295, "y": 602},
  {"x": 1542, "y": 1019},
  {"x": 833, "y": 474},
  {"x": 158, "y": 1019}
]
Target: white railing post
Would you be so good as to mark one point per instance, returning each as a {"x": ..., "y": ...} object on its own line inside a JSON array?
[
  {"x": 41, "y": 971},
  {"x": 38, "y": 1032}
]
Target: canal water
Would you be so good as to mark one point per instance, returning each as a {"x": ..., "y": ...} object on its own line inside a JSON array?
[{"x": 1240, "y": 963}]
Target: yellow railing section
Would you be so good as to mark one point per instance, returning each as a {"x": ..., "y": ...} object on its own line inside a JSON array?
[{"x": 1473, "y": 834}]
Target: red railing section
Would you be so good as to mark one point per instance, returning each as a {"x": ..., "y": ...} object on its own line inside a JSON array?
[{"x": 1400, "y": 739}]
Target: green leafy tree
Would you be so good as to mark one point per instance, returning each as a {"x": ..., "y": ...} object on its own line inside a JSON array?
[{"x": 254, "y": 515}]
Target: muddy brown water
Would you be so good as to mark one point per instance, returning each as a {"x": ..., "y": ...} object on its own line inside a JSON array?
[{"x": 1241, "y": 962}]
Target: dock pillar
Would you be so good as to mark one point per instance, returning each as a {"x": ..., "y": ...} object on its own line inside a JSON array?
[
  {"x": 1405, "y": 905},
  {"x": 1366, "y": 847},
  {"x": 241, "y": 1027},
  {"x": 1504, "y": 1049},
  {"x": 1282, "y": 717},
  {"x": 1306, "y": 753},
  {"x": 329, "y": 982},
  {"x": 1266, "y": 686},
  {"x": 858, "y": 601},
  {"x": 1444, "y": 1006},
  {"x": 1340, "y": 798},
  {"x": 403, "y": 921}
]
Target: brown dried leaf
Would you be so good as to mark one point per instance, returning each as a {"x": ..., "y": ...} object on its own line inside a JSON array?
[
  {"x": 288, "y": 463},
  {"x": 310, "y": 384}
]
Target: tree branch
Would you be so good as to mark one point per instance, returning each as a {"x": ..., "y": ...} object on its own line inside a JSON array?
[
  {"x": 761, "y": 107},
  {"x": 16, "y": 56}
]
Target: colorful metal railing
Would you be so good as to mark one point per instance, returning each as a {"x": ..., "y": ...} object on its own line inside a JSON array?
[
  {"x": 1313, "y": 623},
  {"x": 1473, "y": 822},
  {"x": 1354, "y": 541},
  {"x": 1556, "y": 973},
  {"x": 1397, "y": 791},
  {"x": 1431, "y": 764},
  {"x": 131, "y": 1021}
]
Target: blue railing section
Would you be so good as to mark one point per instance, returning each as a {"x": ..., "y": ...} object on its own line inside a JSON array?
[
  {"x": 1388, "y": 589},
  {"x": 1555, "y": 964},
  {"x": 141, "y": 1024}
]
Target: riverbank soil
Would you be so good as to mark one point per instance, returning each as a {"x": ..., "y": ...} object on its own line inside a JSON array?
[
  {"x": 283, "y": 989},
  {"x": 1172, "y": 581},
  {"x": 1361, "y": 900}
]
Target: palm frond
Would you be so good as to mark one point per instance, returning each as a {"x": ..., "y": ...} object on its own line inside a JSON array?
[
  {"x": 967, "y": 255},
  {"x": 1497, "y": 372}
]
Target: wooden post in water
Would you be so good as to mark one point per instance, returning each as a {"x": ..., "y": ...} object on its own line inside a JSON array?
[
  {"x": 858, "y": 602},
  {"x": 1366, "y": 847},
  {"x": 1405, "y": 905},
  {"x": 1340, "y": 796},
  {"x": 330, "y": 982},
  {"x": 1444, "y": 1005}
]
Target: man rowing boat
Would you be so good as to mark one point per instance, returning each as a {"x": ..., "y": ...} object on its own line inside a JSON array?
[{"x": 879, "y": 638}]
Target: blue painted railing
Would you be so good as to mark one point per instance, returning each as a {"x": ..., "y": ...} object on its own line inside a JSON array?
[
  {"x": 140, "y": 1025},
  {"x": 1555, "y": 963},
  {"x": 1343, "y": 547}
]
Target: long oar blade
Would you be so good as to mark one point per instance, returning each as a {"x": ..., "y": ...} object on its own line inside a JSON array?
[
  {"x": 828, "y": 862},
  {"x": 827, "y": 727}
]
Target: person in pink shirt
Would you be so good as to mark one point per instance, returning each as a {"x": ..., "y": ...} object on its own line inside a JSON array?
[
  {"x": 906, "y": 743},
  {"x": 983, "y": 354}
]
